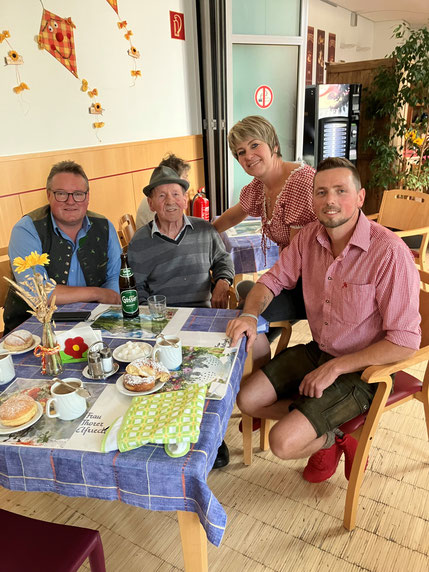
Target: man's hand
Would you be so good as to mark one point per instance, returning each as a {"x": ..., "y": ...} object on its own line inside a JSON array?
[
  {"x": 315, "y": 382},
  {"x": 239, "y": 327},
  {"x": 220, "y": 294},
  {"x": 108, "y": 296}
]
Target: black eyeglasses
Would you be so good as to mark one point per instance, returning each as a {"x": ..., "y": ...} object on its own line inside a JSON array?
[{"x": 63, "y": 196}]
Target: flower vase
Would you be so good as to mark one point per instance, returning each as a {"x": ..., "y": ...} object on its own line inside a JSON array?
[{"x": 50, "y": 352}]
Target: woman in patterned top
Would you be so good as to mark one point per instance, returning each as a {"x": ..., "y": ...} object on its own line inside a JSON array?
[{"x": 280, "y": 193}]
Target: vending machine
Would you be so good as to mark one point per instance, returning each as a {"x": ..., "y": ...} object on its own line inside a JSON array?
[{"x": 331, "y": 122}]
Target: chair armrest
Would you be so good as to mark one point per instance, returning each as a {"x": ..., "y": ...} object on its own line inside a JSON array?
[
  {"x": 413, "y": 231},
  {"x": 372, "y": 216},
  {"x": 373, "y": 373}
]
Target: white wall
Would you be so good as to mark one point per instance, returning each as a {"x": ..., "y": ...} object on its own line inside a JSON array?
[
  {"x": 368, "y": 40},
  {"x": 384, "y": 44},
  {"x": 53, "y": 114}
]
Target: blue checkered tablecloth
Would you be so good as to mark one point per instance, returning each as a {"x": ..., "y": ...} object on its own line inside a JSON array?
[
  {"x": 145, "y": 477},
  {"x": 246, "y": 251}
]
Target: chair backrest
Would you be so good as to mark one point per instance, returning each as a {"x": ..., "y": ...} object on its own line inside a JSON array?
[
  {"x": 5, "y": 270},
  {"x": 424, "y": 307},
  {"x": 404, "y": 210},
  {"x": 127, "y": 228}
]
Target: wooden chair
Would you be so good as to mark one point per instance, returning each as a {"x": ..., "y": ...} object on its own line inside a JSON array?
[
  {"x": 127, "y": 229},
  {"x": 5, "y": 270},
  {"x": 30, "y": 544},
  {"x": 246, "y": 420},
  {"x": 408, "y": 213},
  {"x": 406, "y": 387}
]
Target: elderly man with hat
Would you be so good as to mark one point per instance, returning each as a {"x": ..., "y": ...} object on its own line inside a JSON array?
[{"x": 178, "y": 256}]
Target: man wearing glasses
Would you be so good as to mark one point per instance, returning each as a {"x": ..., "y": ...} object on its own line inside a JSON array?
[{"x": 83, "y": 246}]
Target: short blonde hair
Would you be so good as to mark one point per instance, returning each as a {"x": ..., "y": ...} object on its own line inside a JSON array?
[{"x": 253, "y": 127}]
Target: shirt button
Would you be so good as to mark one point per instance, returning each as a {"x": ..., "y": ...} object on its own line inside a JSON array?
[
  {"x": 67, "y": 263},
  {"x": 329, "y": 277},
  {"x": 327, "y": 301}
]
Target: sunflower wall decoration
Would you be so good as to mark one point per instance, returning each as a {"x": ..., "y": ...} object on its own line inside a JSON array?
[
  {"x": 132, "y": 50},
  {"x": 56, "y": 37},
  {"x": 15, "y": 59}
]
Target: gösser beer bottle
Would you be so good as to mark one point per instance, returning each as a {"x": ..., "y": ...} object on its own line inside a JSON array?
[{"x": 127, "y": 287}]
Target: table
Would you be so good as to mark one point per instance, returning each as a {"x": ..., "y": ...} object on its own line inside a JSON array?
[
  {"x": 243, "y": 242},
  {"x": 145, "y": 477}
]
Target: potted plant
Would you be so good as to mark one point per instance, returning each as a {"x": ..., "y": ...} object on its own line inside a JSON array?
[{"x": 399, "y": 95}]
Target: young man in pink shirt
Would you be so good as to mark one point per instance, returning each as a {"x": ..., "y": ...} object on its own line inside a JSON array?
[{"x": 361, "y": 293}]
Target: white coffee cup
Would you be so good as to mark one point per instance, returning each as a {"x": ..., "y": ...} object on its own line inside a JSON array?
[
  {"x": 68, "y": 404},
  {"x": 7, "y": 371},
  {"x": 168, "y": 354}
]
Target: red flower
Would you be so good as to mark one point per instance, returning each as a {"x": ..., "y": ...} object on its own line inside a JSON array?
[{"x": 75, "y": 347}]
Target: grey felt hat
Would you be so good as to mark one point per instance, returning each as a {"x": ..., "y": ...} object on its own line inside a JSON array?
[{"x": 164, "y": 176}]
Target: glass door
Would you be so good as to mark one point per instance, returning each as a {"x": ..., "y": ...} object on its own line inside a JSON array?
[{"x": 266, "y": 73}]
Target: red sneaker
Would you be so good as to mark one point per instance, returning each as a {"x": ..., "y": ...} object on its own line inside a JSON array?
[
  {"x": 322, "y": 464},
  {"x": 256, "y": 424},
  {"x": 349, "y": 445}
]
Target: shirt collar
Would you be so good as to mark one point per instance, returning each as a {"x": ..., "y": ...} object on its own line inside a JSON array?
[
  {"x": 186, "y": 222},
  {"x": 359, "y": 238},
  {"x": 85, "y": 225}
]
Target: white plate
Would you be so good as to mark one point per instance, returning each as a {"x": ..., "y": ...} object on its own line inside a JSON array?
[
  {"x": 120, "y": 387},
  {"x": 36, "y": 342},
  {"x": 146, "y": 351},
  {"x": 114, "y": 370},
  {"x": 4, "y": 430}
]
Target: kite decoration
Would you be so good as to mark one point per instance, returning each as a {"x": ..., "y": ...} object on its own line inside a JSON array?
[
  {"x": 132, "y": 51},
  {"x": 14, "y": 59},
  {"x": 56, "y": 37},
  {"x": 114, "y": 5}
]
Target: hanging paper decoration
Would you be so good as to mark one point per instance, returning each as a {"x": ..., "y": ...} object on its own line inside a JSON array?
[
  {"x": 132, "y": 51},
  {"x": 15, "y": 59},
  {"x": 56, "y": 37}
]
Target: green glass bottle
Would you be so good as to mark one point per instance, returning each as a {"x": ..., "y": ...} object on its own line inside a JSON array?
[{"x": 127, "y": 288}]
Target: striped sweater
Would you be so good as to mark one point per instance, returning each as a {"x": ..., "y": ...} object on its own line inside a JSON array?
[{"x": 180, "y": 270}]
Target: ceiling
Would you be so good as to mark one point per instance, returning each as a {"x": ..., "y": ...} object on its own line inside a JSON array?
[{"x": 415, "y": 12}]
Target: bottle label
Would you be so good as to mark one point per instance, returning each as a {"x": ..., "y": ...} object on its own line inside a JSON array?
[
  {"x": 130, "y": 301},
  {"x": 126, "y": 272}
]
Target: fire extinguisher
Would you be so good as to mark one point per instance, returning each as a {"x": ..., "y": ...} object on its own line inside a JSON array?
[{"x": 200, "y": 205}]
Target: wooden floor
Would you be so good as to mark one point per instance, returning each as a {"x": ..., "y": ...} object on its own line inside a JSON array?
[{"x": 276, "y": 520}]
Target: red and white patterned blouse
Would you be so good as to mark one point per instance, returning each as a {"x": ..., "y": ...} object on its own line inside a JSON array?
[{"x": 293, "y": 208}]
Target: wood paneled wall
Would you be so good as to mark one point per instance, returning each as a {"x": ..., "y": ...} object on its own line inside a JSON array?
[{"x": 117, "y": 174}]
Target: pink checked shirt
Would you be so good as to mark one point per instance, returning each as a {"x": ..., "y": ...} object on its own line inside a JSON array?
[
  {"x": 293, "y": 208},
  {"x": 370, "y": 292}
]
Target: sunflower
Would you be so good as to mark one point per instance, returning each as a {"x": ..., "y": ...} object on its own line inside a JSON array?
[
  {"x": 20, "y": 264},
  {"x": 36, "y": 259},
  {"x": 98, "y": 108},
  {"x": 13, "y": 55}
]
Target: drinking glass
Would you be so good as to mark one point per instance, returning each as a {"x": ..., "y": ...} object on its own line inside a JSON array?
[{"x": 157, "y": 307}]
